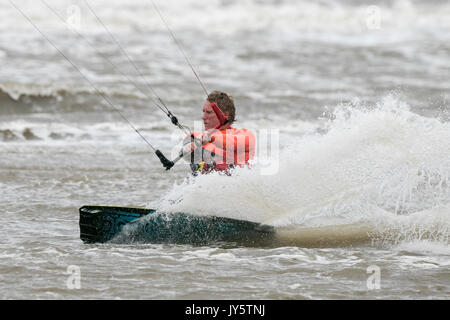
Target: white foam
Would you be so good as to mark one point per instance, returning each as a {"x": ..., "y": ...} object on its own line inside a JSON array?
[
  {"x": 425, "y": 247},
  {"x": 416, "y": 231}
]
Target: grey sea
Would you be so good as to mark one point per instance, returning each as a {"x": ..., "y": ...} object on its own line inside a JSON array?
[{"x": 349, "y": 103}]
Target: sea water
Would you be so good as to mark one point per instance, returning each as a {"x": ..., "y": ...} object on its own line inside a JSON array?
[{"x": 349, "y": 104}]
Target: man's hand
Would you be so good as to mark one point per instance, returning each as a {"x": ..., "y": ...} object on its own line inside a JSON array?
[
  {"x": 189, "y": 148},
  {"x": 201, "y": 139},
  {"x": 206, "y": 136}
]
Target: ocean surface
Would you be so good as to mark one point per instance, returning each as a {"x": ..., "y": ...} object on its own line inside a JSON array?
[{"x": 349, "y": 101}]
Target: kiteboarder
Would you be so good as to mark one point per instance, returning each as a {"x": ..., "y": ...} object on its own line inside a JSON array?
[{"x": 220, "y": 147}]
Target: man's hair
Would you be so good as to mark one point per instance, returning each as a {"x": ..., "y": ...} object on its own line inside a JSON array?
[{"x": 225, "y": 103}]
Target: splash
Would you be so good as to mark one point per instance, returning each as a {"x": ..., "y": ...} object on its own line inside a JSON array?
[{"x": 381, "y": 165}]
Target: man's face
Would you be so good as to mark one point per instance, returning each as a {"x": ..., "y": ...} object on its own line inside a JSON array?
[{"x": 209, "y": 117}]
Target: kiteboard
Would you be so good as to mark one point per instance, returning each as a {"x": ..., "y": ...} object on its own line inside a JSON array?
[{"x": 108, "y": 224}]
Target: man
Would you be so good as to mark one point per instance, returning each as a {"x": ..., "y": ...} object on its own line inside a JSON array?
[{"x": 220, "y": 147}]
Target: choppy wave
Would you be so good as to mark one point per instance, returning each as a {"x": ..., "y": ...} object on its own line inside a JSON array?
[
  {"x": 226, "y": 17},
  {"x": 23, "y": 98},
  {"x": 21, "y": 131},
  {"x": 380, "y": 165}
]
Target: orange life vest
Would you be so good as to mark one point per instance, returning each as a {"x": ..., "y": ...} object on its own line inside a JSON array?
[{"x": 227, "y": 148}]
